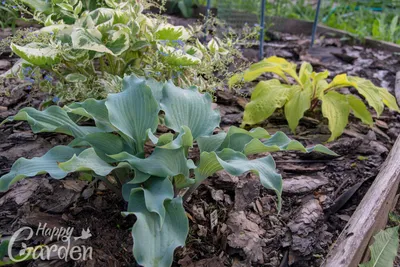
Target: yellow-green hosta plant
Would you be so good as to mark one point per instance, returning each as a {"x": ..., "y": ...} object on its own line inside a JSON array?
[
  {"x": 90, "y": 57},
  {"x": 113, "y": 150},
  {"x": 300, "y": 91}
]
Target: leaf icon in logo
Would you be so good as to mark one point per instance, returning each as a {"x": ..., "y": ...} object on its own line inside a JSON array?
[{"x": 84, "y": 235}]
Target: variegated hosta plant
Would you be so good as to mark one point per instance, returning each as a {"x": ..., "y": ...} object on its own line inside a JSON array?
[
  {"x": 90, "y": 57},
  {"x": 304, "y": 90},
  {"x": 151, "y": 179}
]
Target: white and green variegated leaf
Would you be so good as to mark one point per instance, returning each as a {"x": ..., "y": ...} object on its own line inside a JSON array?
[
  {"x": 155, "y": 243},
  {"x": 89, "y": 39},
  {"x": 336, "y": 109},
  {"x": 236, "y": 163},
  {"x": 134, "y": 110},
  {"x": 75, "y": 78},
  {"x": 177, "y": 57},
  {"x": 190, "y": 108},
  {"x": 38, "y": 54},
  {"x": 88, "y": 160},
  {"x": 92, "y": 109},
  {"x": 384, "y": 249},
  {"x": 52, "y": 119},
  {"x": 48, "y": 163},
  {"x": 118, "y": 39},
  {"x": 171, "y": 32}
]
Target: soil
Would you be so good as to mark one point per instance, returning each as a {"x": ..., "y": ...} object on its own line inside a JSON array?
[{"x": 319, "y": 196}]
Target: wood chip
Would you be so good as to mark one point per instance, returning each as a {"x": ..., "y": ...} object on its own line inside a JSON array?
[{"x": 302, "y": 184}]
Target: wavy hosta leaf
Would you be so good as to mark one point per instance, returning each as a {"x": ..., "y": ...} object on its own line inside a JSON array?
[
  {"x": 371, "y": 93},
  {"x": 156, "y": 191},
  {"x": 299, "y": 101},
  {"x": 265, "y": 99},
  {"x": 171, "y": 32},
  {"x": 189, "y": 107},
  {"x": 38, "y": 5},
  {"x": 388, "y": 99},
  {"x": 384, "y": 249},
  {"x": 88, "y": 160},
  {"x": 177, "y": 57},
  {"x": 103, "y": 143},
  {"x": 93, "y": 109},
  {"x": 134, "y": 110},
  {"x": 281, "y": 142},
  {"x": 162, "y": 162},
  {"x": 48, "y": 163},
  {"x": 360, "y": 109},
  {"x": 336, "y": 109},
  {"x": 236, "y": 139},
  {"x": 237, "y": 163},
  {"x": 154, "y": 244},
  {"x": 52, "y": 119},
  {"x": 38, "y": 54},
  {"x": 118, "y": 39}
]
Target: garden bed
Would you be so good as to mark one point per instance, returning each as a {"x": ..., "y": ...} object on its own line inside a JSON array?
[{"x": 320, "y": 193}]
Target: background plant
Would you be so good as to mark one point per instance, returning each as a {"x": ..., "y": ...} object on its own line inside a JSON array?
[
  {"x": 307, "y": 90},
  {"x": 114, "y": 151},
  {"x": 90, "y": 57}
]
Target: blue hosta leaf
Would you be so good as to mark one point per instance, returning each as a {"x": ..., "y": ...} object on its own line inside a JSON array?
[
  {"x": 162, "y": 163},
  {"x": 190, "y": 108},
  {"x": 134, "y": 110},
  {"x": 48, "y": 163},
  {"x": 52, "y": 119},
  {"x": 156, "y": 191},
  {"x": 88, "y": 160},
  {"x": 154, "y": 244},
  {"x": 103, "y": 143},
  {"x": 37, "y": 54},
  {"x": 93, "y": 109},
  {"x": 237, "y": 163}
]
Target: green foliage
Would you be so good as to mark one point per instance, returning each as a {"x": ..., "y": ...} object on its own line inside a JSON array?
[
  {"x": 310, "y": 88},
  {"x": 384, "y": 249},
  {"x": 90, "y": 57},
  {"x": 114, "y": 150}
]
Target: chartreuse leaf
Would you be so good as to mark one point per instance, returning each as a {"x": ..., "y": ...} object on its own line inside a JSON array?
[
  {"x": 48, "y": 163},
  {"x": 236, "y": 163},
  {"x": 388, "y": 99},
  {"x": 52, "y": 119},
  {"x": 154, "y": 244},
  {"x": 305, "y": 72},
  {"x": 190, "y": 108},
  {"x": 134, "y": 110},
  {"x": 37, "y": 54},
  {"x": 336, "y": 109},
  {"x": 340, "y": 81},
  {"x": 360, "y": 109},
  {"x": 299, "y": 101},
  {"x": 371, "y": 93},
  {"x": 265, "y": 99},
  {"x": 384, "y": 249}
]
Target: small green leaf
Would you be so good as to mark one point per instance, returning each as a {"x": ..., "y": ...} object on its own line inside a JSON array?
[
  {"x": 384, "y": 249},
  {"x": 336, "y": 109},
  {"x": 75, "y": 78}
]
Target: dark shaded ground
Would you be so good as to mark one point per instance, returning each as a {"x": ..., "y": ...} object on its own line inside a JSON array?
[{"x": 248, "y": 231}]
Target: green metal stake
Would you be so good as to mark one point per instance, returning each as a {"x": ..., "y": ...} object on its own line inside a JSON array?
[
  {"x": 314, "y": 28},
  {"x": 262, "y": 31}
]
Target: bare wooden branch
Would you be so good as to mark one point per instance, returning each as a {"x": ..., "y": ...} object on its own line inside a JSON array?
[{"x": 370, "y": 216}]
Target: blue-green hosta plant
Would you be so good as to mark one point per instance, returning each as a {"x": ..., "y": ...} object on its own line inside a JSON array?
[
  {"x": 304, "y": 90},
  {"x": 113, "y": 150},
  {"x": 90, "y": 57}
]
